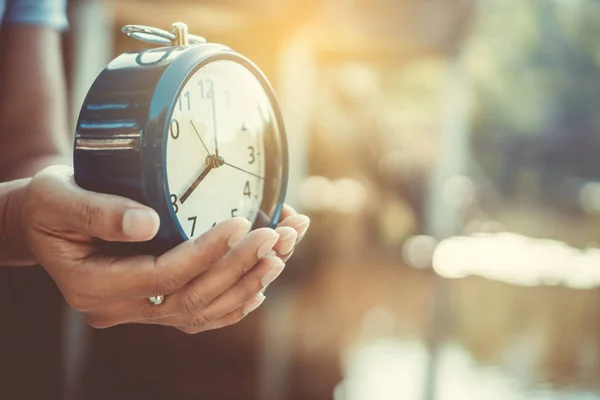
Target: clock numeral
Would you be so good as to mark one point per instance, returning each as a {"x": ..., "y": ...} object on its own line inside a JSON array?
[
  {"x": 247, "y": 191},
  {"x": 188, "y": 101},
  {"x": 175, "y": 129},
  {"x": 252, "y": 155},
  {"x": 174, "y": 203},
  {"x": 234, "y": 212},
  {"x": 193, "y": 221},
  {"x": 207, "y": 89}
]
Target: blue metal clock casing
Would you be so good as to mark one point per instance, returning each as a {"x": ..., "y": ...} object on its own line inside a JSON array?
[{"x": 121, "y": 136}]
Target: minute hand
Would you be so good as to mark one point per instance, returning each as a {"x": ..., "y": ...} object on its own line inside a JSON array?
[
  {"x": 214, "y": 110},
  {"x": 194, "y": 185}
]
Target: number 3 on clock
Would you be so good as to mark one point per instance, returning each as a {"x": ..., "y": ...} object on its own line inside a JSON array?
[{"x": 252, "y": 156}]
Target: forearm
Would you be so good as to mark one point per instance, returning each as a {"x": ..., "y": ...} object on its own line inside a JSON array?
[
  {"x": 14, "y": 247},
  {"x": 33, "y": 117}
]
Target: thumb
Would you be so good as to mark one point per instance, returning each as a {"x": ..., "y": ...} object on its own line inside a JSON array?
[{"x": 107, "y": 217}]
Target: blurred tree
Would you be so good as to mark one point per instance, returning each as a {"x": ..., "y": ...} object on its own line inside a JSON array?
[{"x": 536, "y": 68}]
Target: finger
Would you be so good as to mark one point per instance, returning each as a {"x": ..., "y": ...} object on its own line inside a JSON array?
[
  {"x": 128, "y": 312},
  {"x": 199, "y": 293},
  {"x": 287, "y": 240},
  {"x": 142, "y": 311},
  {"x": 207, "y": 249},
  {"x": 285, "y": 257},
  {"x": 108, "y": 217},
  {"x": 287, "y": 211},
  {"x": 299, "y": 222},
  {"x": 265, "y": 272},
  {"x": 146, "y": 276},
  {"x": 229, "y": 319}
]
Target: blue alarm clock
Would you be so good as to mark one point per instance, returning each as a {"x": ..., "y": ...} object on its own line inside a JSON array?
[{"x": 189, "y": 128}]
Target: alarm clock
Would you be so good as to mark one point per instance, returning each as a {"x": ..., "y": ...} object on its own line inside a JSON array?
[{"x": 189, "y": 128}]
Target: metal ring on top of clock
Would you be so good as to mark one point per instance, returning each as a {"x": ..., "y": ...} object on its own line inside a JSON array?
[{"x": 153, "y": 35}]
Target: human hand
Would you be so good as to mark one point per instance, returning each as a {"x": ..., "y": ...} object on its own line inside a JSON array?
[{"x": 209, "y": 283}]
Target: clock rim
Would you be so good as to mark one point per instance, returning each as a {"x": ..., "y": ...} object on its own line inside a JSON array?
[{"x": 155, "y": 136}]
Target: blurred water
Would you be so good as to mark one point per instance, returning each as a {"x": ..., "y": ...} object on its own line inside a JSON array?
[{"x": 389, "y": 368}]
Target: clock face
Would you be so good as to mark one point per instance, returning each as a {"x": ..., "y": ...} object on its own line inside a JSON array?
[{"x": 216, "y": 164}]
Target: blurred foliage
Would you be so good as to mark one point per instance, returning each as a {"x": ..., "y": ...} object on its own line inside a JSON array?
[
  {"x": 535, "y": 70},
  {"x": 537, "y": 63}
]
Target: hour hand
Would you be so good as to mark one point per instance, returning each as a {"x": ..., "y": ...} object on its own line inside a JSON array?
[{"x": 196, "y": 182}]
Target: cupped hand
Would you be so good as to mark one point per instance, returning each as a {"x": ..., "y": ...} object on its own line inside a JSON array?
[{"x": 209, "y": 283}]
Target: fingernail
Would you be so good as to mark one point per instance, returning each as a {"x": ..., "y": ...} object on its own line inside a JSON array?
[
  {"x": 140, "y": 224},
  {"x": 239, "y": 233},
  {"x": 286, "y": 244},
  {"x": 271, "y": 274},
  {"x": 253, "y": 303},
  {"x": 268, "y": 245},
  {"x": 302, "y": 227}
]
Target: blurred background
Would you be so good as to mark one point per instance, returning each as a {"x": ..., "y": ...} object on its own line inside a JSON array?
[{"x": 447, "y": 152}]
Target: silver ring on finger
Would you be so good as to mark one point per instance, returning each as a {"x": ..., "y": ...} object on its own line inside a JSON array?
[{"x": 157, "y": 300}]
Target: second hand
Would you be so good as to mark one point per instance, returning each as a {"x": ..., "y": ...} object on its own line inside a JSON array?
[
  {"x": 243, "y": 170},
  {"x": 200, "y": 137}
]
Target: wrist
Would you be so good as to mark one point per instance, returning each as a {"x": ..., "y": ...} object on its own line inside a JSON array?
[{"x": 14, "y": 241}]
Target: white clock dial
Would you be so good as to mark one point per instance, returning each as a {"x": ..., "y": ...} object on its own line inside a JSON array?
[{"x": 215, "y": 149}]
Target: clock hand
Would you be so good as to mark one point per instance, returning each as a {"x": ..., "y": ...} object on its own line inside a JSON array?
[
  {"x": 214, "y": 110},
  {"x": 243, "y": 170},
  {"x": 194, "y": 185},
  {"x": 200, "y": 137}
]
